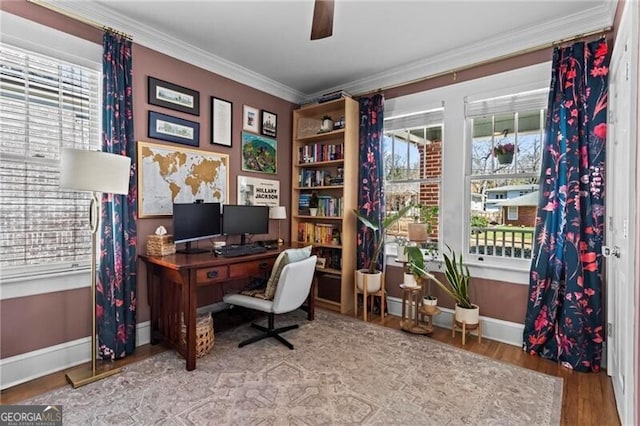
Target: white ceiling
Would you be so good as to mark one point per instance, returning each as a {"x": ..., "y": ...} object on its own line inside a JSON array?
[{"x": 375, "y": 43}]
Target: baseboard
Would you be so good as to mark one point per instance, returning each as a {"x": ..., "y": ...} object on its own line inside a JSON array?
[
  {"x": 32, "y": 365},
  {"x": 492, "y": 328}
]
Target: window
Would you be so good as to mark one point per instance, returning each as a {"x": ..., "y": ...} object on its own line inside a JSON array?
[
  {"x": 413, "y": 168},
  {"x": 506, "y": 136},
  {"x": 45, "y": 105}
]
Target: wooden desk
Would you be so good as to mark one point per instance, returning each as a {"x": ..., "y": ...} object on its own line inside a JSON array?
[{"x": 171, "y": 286}]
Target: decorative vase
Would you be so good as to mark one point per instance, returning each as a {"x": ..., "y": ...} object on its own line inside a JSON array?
[
  {"x": 374, "y": 281},
  {"x": 505, "y": 158},
  {"x": 313, "y": 211},
  {"x": 327, "y": 125},
  {"x": 468, "y": 316}
]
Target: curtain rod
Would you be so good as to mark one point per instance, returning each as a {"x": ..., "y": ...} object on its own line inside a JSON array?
[
  {"x": 455, "y": 71},
  {"x": 82, "y": 19}
]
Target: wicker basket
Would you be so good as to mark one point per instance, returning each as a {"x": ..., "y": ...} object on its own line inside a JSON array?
[
  {"x": 204, "y": 335},
  {"x": 160, "y": 245}
]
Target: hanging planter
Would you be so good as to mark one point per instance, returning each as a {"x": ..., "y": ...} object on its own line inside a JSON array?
[{"x": 505, "y": 158}]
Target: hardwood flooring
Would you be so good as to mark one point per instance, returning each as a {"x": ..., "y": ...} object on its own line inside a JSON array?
[{"x": 587, "y": 398}]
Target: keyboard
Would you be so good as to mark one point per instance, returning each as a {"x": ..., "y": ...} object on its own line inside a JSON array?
[{"x": 234, "y": 250}]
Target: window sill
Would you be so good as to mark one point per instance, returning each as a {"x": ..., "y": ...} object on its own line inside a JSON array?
[
  {"x": 517, "y": 273},
  {"x": 33, "y": 285}
]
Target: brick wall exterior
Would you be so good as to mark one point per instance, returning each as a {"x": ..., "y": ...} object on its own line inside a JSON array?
[
  {"x": 526, "y": 216},
  {"x": 431, "y": 166}
]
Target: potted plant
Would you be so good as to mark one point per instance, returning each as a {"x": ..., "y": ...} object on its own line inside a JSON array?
[
  {"x": 504, "y": 152},
  {"x": 456, "y": 286},
  {"x": 422, "y": 228},
  {"x": 416, "y": 267},
  {"x": 327, "y": 124},
  {"x": 313, "y": 204},
  {"x": 378, "y": 229}
]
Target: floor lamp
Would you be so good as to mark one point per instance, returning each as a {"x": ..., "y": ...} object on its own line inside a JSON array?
[
  {"x": 95, "y": 172},
  {"x": 278, "y": 213}
]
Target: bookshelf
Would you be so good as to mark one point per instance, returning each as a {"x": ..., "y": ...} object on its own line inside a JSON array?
[{"x": 327, "y": 163}]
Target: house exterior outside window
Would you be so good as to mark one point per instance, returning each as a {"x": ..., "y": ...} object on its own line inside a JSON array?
[{"x": 413, "y": 169}]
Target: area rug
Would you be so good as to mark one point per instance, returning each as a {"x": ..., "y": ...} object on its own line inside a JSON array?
[{"x": 342, "y": 372}]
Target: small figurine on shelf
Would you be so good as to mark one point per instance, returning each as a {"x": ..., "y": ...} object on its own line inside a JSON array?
[
  {"x": 327, "y": 124},
  {"x": 313, "y": 204}
]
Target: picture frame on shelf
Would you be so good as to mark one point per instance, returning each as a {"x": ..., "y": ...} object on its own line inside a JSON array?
[
  {"x": 250, "y": 119},
  {"x": 259, "y": 154},
  {"x": 221, "y": 121},
  {"x": 269, "y": 124},
  {"x": 173, "y": 129},
  {"x": 168, "y": 95}
]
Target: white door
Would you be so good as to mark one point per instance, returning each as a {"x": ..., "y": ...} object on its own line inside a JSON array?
[{"x": 620, "y": 231}]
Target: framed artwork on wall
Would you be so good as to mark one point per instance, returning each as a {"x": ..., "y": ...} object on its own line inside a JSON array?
[
  {"x": 258, "y": 192},
  {"x": 166, "y": 176},
  {"x": 173, "y": 129},
  {"x": 250, "y": 119},
  {"x": 221, "y": 120},
  {"x": 259, "y": 154},
  {"x": 172, "y": 96},
  {"x": 269, "y": 124}
]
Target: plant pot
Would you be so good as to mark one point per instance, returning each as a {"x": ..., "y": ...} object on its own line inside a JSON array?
[
  {"x": 505, "y": 158},
  {"x": 410, "y": 280},
  {"x": 374, "y": 281},
  {"x": 430, "y": 305},
  {"x": 468, "y": 316},
  {"x": 313, "y": 211},
  {"x": 402, "y": 255}
]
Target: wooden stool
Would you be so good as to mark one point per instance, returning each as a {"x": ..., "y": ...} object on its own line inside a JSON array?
[
  {"x": 411, "y": 297},
  {"x": 465, "y": 328}
]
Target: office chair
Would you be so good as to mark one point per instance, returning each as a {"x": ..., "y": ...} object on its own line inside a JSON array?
[{"x": 292, "y": 290}]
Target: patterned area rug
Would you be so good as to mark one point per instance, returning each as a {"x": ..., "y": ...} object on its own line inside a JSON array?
[{"x": 343, "y": 371}]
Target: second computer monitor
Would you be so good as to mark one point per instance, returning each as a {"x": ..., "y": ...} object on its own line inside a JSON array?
[{"x": 242, "y": 220}]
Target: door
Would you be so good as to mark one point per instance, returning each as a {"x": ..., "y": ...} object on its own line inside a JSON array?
[{"x": 620, "y": 215}]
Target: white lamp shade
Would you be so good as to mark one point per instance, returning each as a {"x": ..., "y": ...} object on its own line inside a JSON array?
[
  {"x": 96, "y": 171},
  {"x": 279, "y": 212}
]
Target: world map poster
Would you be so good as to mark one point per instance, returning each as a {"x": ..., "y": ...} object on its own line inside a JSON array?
[{"x": 172, "y": 174}]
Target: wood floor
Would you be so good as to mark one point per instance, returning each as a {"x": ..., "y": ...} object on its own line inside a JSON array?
[{"x": 587, "y": 398}]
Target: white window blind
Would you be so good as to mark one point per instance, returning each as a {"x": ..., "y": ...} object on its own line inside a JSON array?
[
  {"x": 520, "y": 102},
  {"x": 45, "y": 105}
]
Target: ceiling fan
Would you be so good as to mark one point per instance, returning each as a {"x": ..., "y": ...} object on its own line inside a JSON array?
[{"x": 322, "y": 24}]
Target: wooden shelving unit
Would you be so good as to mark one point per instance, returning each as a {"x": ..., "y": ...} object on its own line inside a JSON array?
[{"x": 319, "y": 160}]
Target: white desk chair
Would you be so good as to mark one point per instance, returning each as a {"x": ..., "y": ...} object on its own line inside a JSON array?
[{"x": 292, "y": 290}]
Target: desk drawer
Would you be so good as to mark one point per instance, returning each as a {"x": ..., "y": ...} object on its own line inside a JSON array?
[
  {"x": 250, "y": 269},
  {"x": 212, "y": 274}
]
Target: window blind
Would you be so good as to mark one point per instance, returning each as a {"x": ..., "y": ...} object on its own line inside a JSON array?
[
  {"x": 420, "y": 119},
  {"x": 521, "y": 102},
  {"x": 45, "y": 105}
]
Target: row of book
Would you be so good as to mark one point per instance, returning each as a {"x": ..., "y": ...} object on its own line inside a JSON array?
[
  {"x": 333, "y": 257},
  {"x": 327, "y": 205},
  {"x": 318, "y": 233},
  {"x": 317, "y": 152},
  {"x": 313, "y": 177}
]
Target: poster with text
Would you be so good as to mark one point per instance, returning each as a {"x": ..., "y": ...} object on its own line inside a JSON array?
[{"x": 258, "y": 192}]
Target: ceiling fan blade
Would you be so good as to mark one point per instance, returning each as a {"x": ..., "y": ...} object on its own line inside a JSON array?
[{"x": 322, "y": 24}]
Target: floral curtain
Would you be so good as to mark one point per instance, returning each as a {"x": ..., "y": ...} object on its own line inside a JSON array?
[
  {"x": 564, "y": 313},
  {"x": 371, "y": 177},
  {"x": 116, "y": 282}
]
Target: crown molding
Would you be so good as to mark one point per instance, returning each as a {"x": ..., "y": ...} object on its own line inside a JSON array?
[
  {"x": 484, "y": 50},
  {"x": 160, "y": 42},
  {"x": 581, "y": 22}
]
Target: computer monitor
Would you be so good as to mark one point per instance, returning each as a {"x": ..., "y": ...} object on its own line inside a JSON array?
[
  {"x": 193, "y": 222},
  {"x": 242, "y": 220}
]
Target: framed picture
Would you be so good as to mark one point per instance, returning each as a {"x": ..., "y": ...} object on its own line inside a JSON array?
[
  {"x": 269, "y": 124},
  {"x": 250, "y": 119},
  {"x": 172, "y": 96},
  {"x": 258, "y": 192},
  {"x": 259, "y": 154},
  {"x": 166, "y": 176},
  {"x": 173, "y": 129},
  {"x": 221, "y": 118}
]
